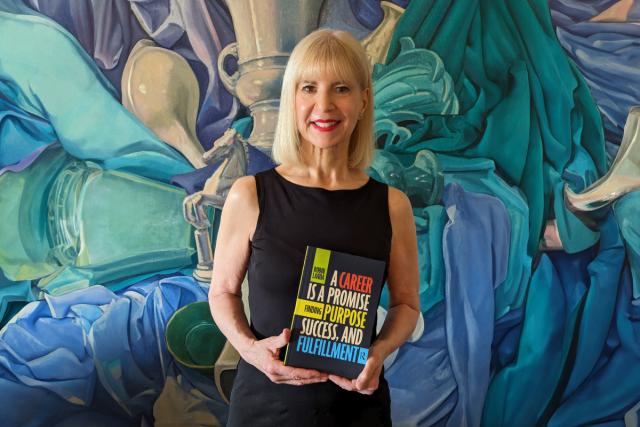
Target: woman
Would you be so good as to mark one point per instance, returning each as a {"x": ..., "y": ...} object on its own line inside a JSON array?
[{"x": 318, "y": 196}]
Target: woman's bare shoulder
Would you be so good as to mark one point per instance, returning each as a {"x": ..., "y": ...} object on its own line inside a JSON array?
[
  {"x": 399, "y": 204},
  {"x": 240, "y": 210},
  {"x": 243, "y": 192}
]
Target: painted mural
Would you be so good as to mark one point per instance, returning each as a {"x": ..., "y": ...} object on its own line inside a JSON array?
[{"x": 509, "y": 124}]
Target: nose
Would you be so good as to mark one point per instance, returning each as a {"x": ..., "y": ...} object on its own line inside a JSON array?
[{"x": 324, "y": 100}]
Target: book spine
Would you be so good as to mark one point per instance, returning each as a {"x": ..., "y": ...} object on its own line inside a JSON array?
[{"x": 293, "y": 318}]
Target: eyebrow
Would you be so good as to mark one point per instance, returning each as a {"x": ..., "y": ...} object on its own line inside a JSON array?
[{"x": 338, "y": 82}]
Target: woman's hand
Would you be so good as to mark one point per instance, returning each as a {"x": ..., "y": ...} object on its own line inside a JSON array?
[
  {"x": 367, "y": 381},
  {"x": 263, "y": 354}
]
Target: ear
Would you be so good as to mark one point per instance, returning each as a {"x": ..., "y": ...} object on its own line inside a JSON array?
[{"x": 365, "y": 99}]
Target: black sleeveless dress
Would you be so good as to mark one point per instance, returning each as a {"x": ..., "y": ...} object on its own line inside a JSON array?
[{"x": 291, "y": 217}]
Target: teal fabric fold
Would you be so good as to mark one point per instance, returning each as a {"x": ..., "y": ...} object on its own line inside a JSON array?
[
  {"x": 13, "y": 296},
  {"x": 627, "y": 210},
  {"x": 577, "y": 310},
  {"x": 523, "y": 104},
  {"x": 520, "y": 393}
]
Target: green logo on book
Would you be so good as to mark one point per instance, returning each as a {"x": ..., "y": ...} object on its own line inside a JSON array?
[{"x": 320, "y": 265}]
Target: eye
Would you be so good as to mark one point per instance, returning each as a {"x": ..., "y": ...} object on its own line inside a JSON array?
[
  {"x": 307, "y": 88},
  {"x": 343, "y": 89}
]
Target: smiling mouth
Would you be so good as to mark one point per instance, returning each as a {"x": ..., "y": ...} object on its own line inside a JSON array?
[{"x": 325, "y": 125}]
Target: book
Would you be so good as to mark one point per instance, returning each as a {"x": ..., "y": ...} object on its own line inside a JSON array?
[{"x": 335, "y": 312}]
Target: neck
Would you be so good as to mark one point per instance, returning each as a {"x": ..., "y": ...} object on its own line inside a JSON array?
[{"x": 329, "y": 165}]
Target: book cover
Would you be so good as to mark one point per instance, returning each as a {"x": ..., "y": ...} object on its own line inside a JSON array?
[{"x": 335, "y": 312}]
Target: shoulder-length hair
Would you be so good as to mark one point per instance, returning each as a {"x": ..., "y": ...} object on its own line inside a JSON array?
[{"x": 338, "y": 53}]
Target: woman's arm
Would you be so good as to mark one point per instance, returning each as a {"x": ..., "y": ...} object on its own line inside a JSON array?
[
  {"x": 404, "y": 306},
  {"x": 232, "y": 250},
  {"x": 403, "y": 279}
]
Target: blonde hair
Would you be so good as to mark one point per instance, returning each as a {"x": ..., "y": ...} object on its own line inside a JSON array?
[{"x": 339, "y": 53}]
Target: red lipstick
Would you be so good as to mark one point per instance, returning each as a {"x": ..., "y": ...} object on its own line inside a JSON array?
[{"x": 325, "y": 128}]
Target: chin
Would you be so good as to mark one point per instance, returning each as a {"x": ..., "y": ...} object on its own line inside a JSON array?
[{"x": 325, "y": 144}]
